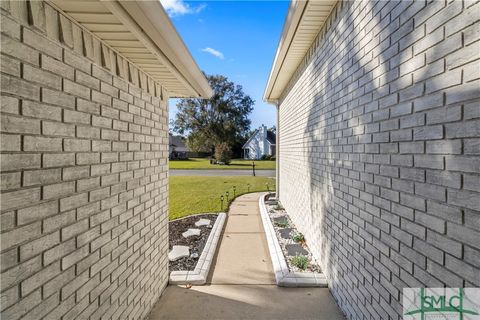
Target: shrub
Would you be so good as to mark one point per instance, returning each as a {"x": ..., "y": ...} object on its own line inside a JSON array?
[
  {"x": 300, "y": 261},
  {"x": 278, "y": 207},
  {"x": 298, "y": 237},
  {"x": 223, "y": 153}
]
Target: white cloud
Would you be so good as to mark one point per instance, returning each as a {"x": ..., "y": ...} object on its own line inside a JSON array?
[
  {"x": 214, "y": 52},
  {"x": 179, "y": 7}
]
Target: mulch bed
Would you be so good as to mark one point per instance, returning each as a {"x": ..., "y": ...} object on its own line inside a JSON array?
[
  {"x": 196, "y": 243},
  {"x": 290, "y": 248}
]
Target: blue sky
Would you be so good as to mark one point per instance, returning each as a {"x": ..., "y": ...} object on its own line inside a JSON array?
[{"x": 237, "y": 39}]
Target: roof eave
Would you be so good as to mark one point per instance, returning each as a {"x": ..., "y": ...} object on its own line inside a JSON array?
[
  {"x": 150, "y": 18},
  {"x": 302, "y": 16},
  {"x": 292, "y": 20}
]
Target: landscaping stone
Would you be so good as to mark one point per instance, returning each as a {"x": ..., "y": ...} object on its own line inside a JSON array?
[
  {"x": 280, "y": 219},
  {"x": 271, "y": 202},
  {"x": 191, "y": 233},
  {"x": 202, "y": 222},
  {"x": 285, "y": 233},
  {"x": 194, "y": 255},
  {"x": 178, "y": 252},
  {"x": 196, "y": 244},
  {"x": 282, "y": 222},
  {"x": 295, "y": 249}
]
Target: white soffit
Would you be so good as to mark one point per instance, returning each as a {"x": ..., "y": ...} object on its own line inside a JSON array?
[
  {"x": 142, "y": 32},
  {"x": 304, "y": 20}
]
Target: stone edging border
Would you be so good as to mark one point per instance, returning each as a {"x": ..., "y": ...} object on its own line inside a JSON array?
[
  {"x": 199, "y": 275},
  {"x": 283, "y": 276}
]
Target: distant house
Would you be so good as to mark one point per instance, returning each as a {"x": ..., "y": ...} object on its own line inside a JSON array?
[
  {"x": 177, "y": 147},
  {"x": 261, "y": 143}
]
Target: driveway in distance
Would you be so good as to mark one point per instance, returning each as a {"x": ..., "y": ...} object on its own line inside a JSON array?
[
  {"x": 203, "y": 163},
  {"x": 223, "y": 173}
]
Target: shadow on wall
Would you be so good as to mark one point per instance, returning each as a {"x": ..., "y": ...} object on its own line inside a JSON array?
[{"x": 360, "y": 90}]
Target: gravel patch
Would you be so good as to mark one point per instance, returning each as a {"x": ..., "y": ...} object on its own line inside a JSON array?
[
  {"x": 285, "y": 229},
  {"x": 195, "y": 243}
]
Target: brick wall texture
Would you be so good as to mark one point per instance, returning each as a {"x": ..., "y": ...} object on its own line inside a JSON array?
[
  {"x": 83, "y": 174},
  {"x": 379, "y": 150}
]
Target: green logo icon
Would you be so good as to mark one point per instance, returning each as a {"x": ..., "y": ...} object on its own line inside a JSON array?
[{"x": 450, "y": 303}]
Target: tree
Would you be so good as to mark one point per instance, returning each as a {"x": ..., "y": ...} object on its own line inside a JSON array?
[
  {"x": 221, "y": 119},
  {"x": 223, "y": 152}
]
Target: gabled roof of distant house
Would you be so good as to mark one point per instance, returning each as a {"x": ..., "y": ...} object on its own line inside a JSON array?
[
  {"x": 270, "y": 137},
  {"x": 141, "y": 32},
  {"x": 304, "y": 20},
  {"x": 250, "y": 139}
]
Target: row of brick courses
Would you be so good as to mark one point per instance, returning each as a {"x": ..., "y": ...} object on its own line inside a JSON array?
[
  {"x": 83, "y": 173},
  {"x": 379, "y": 150}
]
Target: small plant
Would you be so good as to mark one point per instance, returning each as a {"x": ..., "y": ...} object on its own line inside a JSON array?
[
  {"x": 282, "y": 223},
  {"x": 300, "y": 261},
  {"x": 298, "y": 237},
  {"x": 278, "y": 206}
]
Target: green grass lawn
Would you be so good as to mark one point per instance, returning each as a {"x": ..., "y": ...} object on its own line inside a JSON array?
[
  {"x": 202, "y": 163},
  {"x": 195, "y": 194}
]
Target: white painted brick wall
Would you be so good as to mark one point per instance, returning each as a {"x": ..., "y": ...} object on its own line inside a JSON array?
[
  {"x": 84, "y": 208},
  {"x": 379, "y": 150}
]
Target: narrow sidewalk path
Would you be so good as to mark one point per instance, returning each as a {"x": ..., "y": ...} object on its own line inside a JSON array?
[{"x": 241, "y": 284}]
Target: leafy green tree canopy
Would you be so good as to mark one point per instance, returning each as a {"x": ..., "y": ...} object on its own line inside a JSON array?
[{"x": 221, "y": 119}]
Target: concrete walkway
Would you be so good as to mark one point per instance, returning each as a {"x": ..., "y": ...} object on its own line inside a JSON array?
[
  {"x": 241, "y": 284},
  {"x": 221, "y": 172}
]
